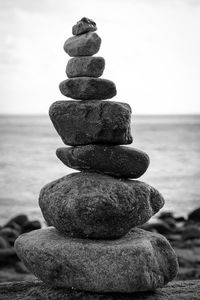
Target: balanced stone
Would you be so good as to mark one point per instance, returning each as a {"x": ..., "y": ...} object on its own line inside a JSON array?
[
  {"x": 83, "y": 45},
  {"x": 84, "y": 25},
  {"x": 139, "y": 261},
  {"x": 89, "y": 66},
  {"x": 120, "y": 161},
  {"x": 88, "y": 122},
  {"x": 87, "y": 88},
  {"x": 92, "y": 205}
]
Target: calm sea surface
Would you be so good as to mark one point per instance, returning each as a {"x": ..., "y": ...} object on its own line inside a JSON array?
[{"x": 28, "y": 160}]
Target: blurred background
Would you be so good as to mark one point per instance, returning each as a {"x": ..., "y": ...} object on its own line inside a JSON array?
[
  {"x": 152, "y": 53},
  {"x": 151, "y": 50}
]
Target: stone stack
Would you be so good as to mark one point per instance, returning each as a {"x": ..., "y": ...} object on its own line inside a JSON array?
[{"x": 94, "y": 244}]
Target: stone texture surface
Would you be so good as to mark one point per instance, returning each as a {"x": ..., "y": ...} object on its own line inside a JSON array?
[
  {"x": 89, "y": 66},
  {"x": 120, "y": 161},
  {"x": 32, "y": 290},
  {"x": 140, "y": 261},
  {"x": 87, "y": 122},
  {"x": 83, "y": 26},
  {"x": 83, "y": 45},
  {"x": 93, "y": 205},
  {"x": 87, "y": 88}
]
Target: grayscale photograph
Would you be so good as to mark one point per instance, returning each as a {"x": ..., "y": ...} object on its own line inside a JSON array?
[{"x": 100, "y": 149}]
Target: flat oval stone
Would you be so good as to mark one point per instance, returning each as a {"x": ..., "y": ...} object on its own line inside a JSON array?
[
  {"x": 139, "y": 261},
  {"x": 87, "y": 88},
  {"x": 83, "y": 45},
  {"x": 89, "y": 66},
  {"x": 119, "y": 161},
  {"x": 84, "y": 25},
  {"x": 92, "y": 205},
  {"x": 88, "y": 122}
]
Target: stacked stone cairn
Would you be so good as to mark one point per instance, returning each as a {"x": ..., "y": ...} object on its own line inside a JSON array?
[{"x": 95, "y": 244}]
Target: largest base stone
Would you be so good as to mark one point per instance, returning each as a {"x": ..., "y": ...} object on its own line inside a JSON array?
[{"x": 140, "y": 261}]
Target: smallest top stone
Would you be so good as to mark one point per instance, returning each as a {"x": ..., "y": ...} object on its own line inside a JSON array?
[{"x": 83, "y": 26}]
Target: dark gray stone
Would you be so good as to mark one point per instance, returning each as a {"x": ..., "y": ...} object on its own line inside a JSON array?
[
  {"x": 194, "y": 215},
  {"x": 87, "y": 88},
  {"x": 140, "y": 261},
  {"x": 98, "y": 206},
  {"x": 83, "y": 26},
  {"x": 85, "y": 66},
  {"x": 119, "y": 161},
  {"x": 83, "y": 45},
  {"x": 8, "y": 256},
  {"x": 35, "y": 289},
  {"x": 19, "y": 219},
  {"x": 87, "y": 122},
  {"x": 31, "y": 225}
]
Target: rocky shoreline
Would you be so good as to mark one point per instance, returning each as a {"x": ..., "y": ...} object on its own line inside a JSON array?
[
  {"x": 182, "y": 233},
  {"x": 98, "y": 237}
]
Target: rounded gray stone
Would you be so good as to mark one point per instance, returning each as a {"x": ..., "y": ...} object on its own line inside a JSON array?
[
  {"x": 119, "y": 161},
  {"x": 88, "y": 122},
  {"x": 83, "y": 45},
  {"x": 89, "y": 66},
  {"x": 83, "y": 26},
  {"x": 97, "y": 206},
  {"x": 87, "y": 88},
  {"x": 140, "y": 261}
]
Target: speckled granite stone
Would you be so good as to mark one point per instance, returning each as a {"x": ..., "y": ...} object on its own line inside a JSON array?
[{"x": 139, "y": 261}]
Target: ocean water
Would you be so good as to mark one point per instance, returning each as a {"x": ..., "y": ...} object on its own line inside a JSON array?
[{"x": 28, "y": 160}]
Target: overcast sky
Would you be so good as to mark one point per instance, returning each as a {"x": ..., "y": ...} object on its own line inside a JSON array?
[{"x": 151, "y": 48}]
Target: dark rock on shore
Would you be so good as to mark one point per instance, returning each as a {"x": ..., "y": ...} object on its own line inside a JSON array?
[
  {"x": 119, "y": 161},
  {"x": 160, "y": 227},
  {"x": 166, "y": 215},
  {"x": 83, "y": 26},
  {"x": 31, "y": 225},
  {"x": 83, "y": 45},
  {"x": 8, "y": 256},
  {"x": 85, "y": 66},
  {"x": 139, "y": 261},
  {"x": 92, "y": 205},
  {"x": 8, "y": 234},
  {"x": 180, "y": 219},
  {"x": 19, "y": 219},
  {"x": 89, "y": 122},
  {"x": 88, "y": 88},
  {"x": 195, "y": 215}
]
